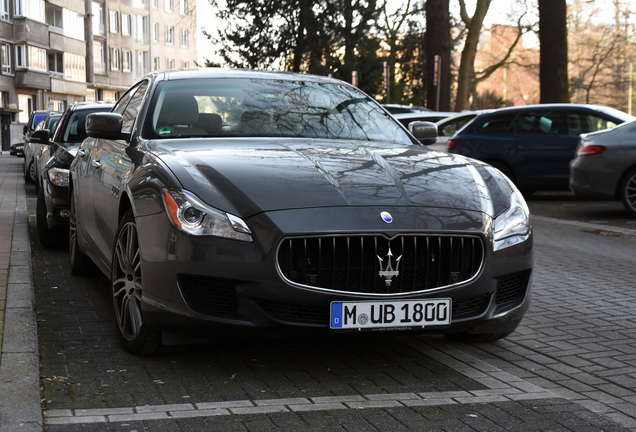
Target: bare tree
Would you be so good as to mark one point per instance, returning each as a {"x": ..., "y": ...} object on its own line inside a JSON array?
[
  {"x": 553, "y": 37},
  {"x": 466, "y": 73},
  {"x": 438, "y": 43}
]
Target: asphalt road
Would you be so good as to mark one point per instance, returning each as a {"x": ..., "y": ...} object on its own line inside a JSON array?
[{"x": 571, "y": 366}]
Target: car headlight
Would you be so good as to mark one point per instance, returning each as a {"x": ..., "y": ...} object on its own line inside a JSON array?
[
  {"x": 59, "y": 176},
  {"x": 191, "y": 215},
  {"x": 513, "y": 225}
]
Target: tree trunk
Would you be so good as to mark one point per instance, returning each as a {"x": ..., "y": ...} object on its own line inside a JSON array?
[
  {"x": 553, "y": 38},
  {"x": 466, "y": 74},
  {"x": 438, "y": 42}
]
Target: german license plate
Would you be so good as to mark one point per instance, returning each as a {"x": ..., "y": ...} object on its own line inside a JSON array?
[{"x": 378, "y": 314}]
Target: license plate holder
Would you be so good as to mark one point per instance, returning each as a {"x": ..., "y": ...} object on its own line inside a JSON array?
[{"x": 390, "y": 314}]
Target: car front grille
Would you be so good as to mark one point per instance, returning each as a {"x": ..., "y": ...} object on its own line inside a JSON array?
[
  {"x": 208, "y": 296},
  {"x": 377, "y": 265}
]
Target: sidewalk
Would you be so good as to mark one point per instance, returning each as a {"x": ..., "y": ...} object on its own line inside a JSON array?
[{"x": 19, "y": 356}]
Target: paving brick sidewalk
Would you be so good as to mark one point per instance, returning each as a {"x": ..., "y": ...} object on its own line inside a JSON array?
[{"x": 19, "y": 357}]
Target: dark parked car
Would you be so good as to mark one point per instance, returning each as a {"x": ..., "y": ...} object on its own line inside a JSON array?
[
  {"x": 17, "y": 149},
  {"x": 35, "y": 118},
  {"x": 221, "y": 201},
  {"x": 52, "y": 209},
  {"x": 533, "y": 145},
  {"x": 605, "y": 165},
  {"x": 31, "y": 149}
]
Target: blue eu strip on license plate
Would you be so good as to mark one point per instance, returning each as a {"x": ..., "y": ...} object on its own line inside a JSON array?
[{"x": 378, "y": 314}]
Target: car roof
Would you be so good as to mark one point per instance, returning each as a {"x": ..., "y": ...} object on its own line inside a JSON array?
[
  {"x": 185, "y": 74},
  {"x": 84, "y": 105}
]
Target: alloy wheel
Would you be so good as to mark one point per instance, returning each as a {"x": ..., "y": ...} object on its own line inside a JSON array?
[
  {"x": 127, "y": 286},
  {"x": 629, "y": 192}
]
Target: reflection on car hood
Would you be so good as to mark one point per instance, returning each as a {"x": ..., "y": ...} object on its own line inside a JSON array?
[{"x": 246, "y": 177}]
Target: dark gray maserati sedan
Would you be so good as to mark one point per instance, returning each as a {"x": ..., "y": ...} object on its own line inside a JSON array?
[{"x": 227, "y": 201}]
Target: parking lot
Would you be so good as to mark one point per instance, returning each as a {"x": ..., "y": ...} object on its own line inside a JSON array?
[{"x": 570, "y": 365}]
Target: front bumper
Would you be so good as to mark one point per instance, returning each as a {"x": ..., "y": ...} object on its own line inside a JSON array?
[{"x": 212, "y": 286}]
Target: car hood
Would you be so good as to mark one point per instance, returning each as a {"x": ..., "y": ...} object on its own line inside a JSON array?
[{"x": 246, "y": 177}]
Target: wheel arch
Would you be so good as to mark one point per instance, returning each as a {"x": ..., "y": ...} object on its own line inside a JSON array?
[{"x": 621, "y": 179}]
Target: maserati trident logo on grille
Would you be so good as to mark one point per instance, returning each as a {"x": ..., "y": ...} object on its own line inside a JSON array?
[
  {"x": 386, "y": 217},
  {"x": 388, "y": 272}
]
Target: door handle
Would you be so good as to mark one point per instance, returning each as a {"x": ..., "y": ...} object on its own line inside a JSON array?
[
  {"x": 96, "y": 163},
  {"x": 81, "y": 152}
]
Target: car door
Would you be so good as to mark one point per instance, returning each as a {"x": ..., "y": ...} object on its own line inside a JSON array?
[
  {"x": 111, "y": 166},
  {"x": 543, "y": 148}
]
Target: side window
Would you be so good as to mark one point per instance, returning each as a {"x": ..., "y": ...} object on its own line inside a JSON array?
[
  {"x": 120, "y": 106},
  {"x": 542, "y": 123},
  {"x": 133, "y": 107},
  {"x": 496, "y": 124},
  {"x": 451, "y": 127},
  {"x": 582, "y": 122}
]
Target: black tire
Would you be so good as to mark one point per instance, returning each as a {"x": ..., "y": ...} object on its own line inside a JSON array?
[
  {"x": 48, "y": 238},
  {"x": 627, "y": 191},
  {"x": 30, "y": 173},
  {"x": 80, "y": 264},
  {"x": 136, "y": 336}
]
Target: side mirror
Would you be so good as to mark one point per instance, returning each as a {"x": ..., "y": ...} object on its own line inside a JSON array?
[
  {"x": 425, "y": 132},
  {"x": 105, "y": 126},
  {"x": 40, "y": 137}
]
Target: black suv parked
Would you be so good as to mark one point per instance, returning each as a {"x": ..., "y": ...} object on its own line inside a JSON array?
[{"x": 52, "y": 203}]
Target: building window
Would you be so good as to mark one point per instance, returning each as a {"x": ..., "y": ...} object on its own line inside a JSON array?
[
  {"x": 184, "y": 38},
  {"x": 155, "y": 32},
  {"x": 56, "y": 65},
  {"x": 99, "y": 58},
  {"x": 169, "y": 35},
  {"x": 155, "y": 4},
  {"x": 126, "y": 60},
  {"x": 114, "y": 59},
  {"x": 73, "y": 24},
  {"x": 141, "y": 29},
  {"x": 4, "y": 10},
  {"x": 26, "y": 103},
  {"x": 33, "y": 9},
  {"x": 114, "y": 21},
  {"x": 185, "y": 65},
  {"x": 170, "y": 63},
  {"x": 141, "y": 63},
  {"x": 183, "y": 7},
  {"x": 74, "y": 67},
  {"x": 156, "y": 65},
  {"x": 140, "y": 4},
  {"x": 54, "y": 16},
  {"x": 30, "y": 57},
  {"x": 98, "y": 19},
  {"x": 91, "y": 95},
  {"x": 125, "y": 24},
  {"x": 6, "y": 59},
  {"x": 169, "y": 5},
  {"x": 109, "y": 96}
]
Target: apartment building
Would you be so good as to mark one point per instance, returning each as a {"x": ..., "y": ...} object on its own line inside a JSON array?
[{"x": 57, "y": 52}]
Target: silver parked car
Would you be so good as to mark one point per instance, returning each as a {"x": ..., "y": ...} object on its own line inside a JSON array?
[{"x": 605, "y": 165}]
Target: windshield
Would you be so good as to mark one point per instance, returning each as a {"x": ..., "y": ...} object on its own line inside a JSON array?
[{"x": 267, "y": 108}]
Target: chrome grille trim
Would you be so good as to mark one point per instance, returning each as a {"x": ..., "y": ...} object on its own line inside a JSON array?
[{"x": 337, "y": 261}]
